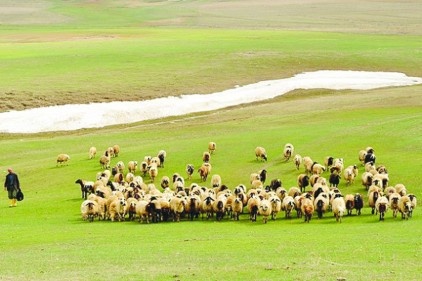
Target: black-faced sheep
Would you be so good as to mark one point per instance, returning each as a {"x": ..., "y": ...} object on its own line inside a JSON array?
[
  {"x": 373, "y": 196},
  {"x": 358, "y": 203},
  {"x": 206, "y": 157},
  {"x": 189, "y": 170},
  {"x": 87, "y": 187},
  {"x": 237, "y": 208},
  {"x": 321, "y": 204},
  {"x": 92, "y": 152},
  {"x": 260, "y": 153},
  {"x": 89, "y": 210},
  {"x": 62, "y": 159},
  {"x": 177, "y": 207},
  {"x": 216, "y": 181},
  {"x": 288, "y": 151},
  {"x": 370, "y": 157},
  {"x": 275, "y": 184},
  {"x": 262, "y": 175},
  {"x": 393, "y": 201},
  {"x": 413, "y": 202},
  {"x": 302, "y": 182},
  {"x": 252, "y": 205},
  {"x": 334, "y": 179},
  {"x": 328, "y": 162},
  {"x": 350, "y": 203},
  {"x": 219, "y": 207},
  {"x": 212, "y": 146},
  {"x": 192, "y": 207},
  {"x": 381, "y": 206},
  {"x": 162, "y": 154},
  {"x": 207, "y": 207},
  {"x": 265, "y": 210}
]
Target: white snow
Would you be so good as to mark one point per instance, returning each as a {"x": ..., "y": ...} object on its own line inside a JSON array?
[{"x": 95, "y": 115}]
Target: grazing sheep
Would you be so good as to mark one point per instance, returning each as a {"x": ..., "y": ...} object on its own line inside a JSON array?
[
  {"x": 116, "y": 150},
  {"x": 338, "y": 207},
  {"x": 288, "y": 205},
  {"x": 307, "y": 208},
  {"x": 162, "y": 154},
  {"x": 92, "y": 152},
  {"x": 265, "y": 210},
  {"x": 62, "y": 159},
  {"x": 298, "y": 161},
  {"x": 212, "y": 146},
  {"x": 87, "y": 187},
  {"x": 381, "y": 206},
  {"x": 260, "y": 153},
  {"x": 358, "y": 203},
  {"x": 288, "y": 151},
  {"x": 349, "y": 174},
  {"x": 132, "y": 166},
  {"x": 89, "y": 210},
  {"x": 206, "y": 157},
  {"x": 302, "y": 182},
  {"x": 189, "y": 170},
  {"x": 393, "y": 201},
  {"x": 405, "y": 207},
  {"x": 153, "y": 172},
  {"x": 321, "y": 204},
  {"x": 237, "y": 208}
]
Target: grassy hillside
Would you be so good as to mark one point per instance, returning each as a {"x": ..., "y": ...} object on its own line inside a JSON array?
[{"x": 79, "y": 57}]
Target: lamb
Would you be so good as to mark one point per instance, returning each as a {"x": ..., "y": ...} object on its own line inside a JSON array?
[
  {"x": 288, "y": 205},
  {"x": 132, "y": 166},
  {"x": 87, "y": 187},
  {"x": 298, "y": 161},
  {"x": 260, "y": 153},
  {"x": 162, "y": 154},
  {"x": 350, "y": 173},
  {"x": 405, "y": 207},
  {"x": 358, "y": 203},
  {"x": 288, "y": 151},
  {"x": 153, "y": 172},
  {"x": 338, "y": 207},
  {"x": 393, "y": 201},
  {"x": 381, "y": 206},
  {"x": 265, "y": 210},
  {"x": 206, "y": 157},
  {"x": 92, "y": 152},
  {"x": 62, "y": 159},
  {"x": 302, "y": 182},
  {"x": 237, "y": 208},
  {"x": 321, "y": 204},
  {"x": 307, "y": 208},
  {"x": 89, "y": 210},
  {"x": 212, "y": 146}
]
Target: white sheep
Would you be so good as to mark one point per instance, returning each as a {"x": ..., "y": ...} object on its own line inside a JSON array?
[
  {"x": 265, "y": 210},
  {"x": 321, "y": 204},
  {"x": 89, "y": 210},
  {"x": 405, "y": 207},
  {"x": 350, "y": 203},
  {"x": 206, "y": 157},
  {"x": 177, "y": 206},
  {"x": 116, "y": 209},
  {"x": 142, "y": 211},
  {"x": 153, "y": 172},
  {"x": 120, "y": 166},
  {"x": 317, "y": 169},
  {"x": 105, "y": 160},
  {"x": 328, "y": 162},
  {"x": 381, "y": 206},
  {"x": 393, "y": 202},
  {"x": 339, "y": 207},
  {"x": 260, "y": 153},
  {"x": 401, "y": 189},
  {"x": 237, "y": 208},
  {"x": 62, "y": 159},
  {"x": 362, "y": 155},
  {"x": 373, "y": 195},
  {"x": 288, "y": 151},
  {"x": 302, "y": 182},
  {"x": 116, "y": 150},
  {"x": 132, "y": 166},
  {"x": 212, "y": 146},
  {"x": 288, "y": 205},
  {"x": 367, "y": 179},
  {"x": 92, "y": 152},
  {"x": 155, "y": 161},
  {"x": 350, "y": 173},
  {"x": 307, "y": 163},
  {"x": 297, "y": 161},
  {"x": 216, "y": 181}
]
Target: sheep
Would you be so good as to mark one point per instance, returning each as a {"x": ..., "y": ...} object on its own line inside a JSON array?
[
  {"x": 334, "y": 179},
  {"x": 381, "y": 206},
  {"x": 262, "y": 175},
  {"x": 190, "y": 168},
  {"x": 92, "y": 152},
  {"x": 393, "y": 202},
  {"x": 142, "y": 211},
  {"x": 350, "y": 173},
  {"x": 358, "y": 203},
  {"x": 288, "y": 151},
  {"x": 87, "y": 187},
  {"x": 328, "y": 162},
  {"x": 405, "y": 207},
  {"x": 338, "y": 207},
  {"x": 116, "y": 209},
  {"x": 153, "y": 172},
  {"x": 116, "y": 150},
  {"x": 252, "y": 207},
  {"x": 302, "y": 182},
  {"x": 203, "y": 171},
  {"x": 207, "y": 207},
  {"x": 350, "y": 203},
  {"x": 294, "y": 191},
  {"x": 381, "y": 180},
  {"x": 370, "y": 157},
  {"x": 297, "y": 161},
  {"x": 155, "y": 161},
  {"x": 130, "y": 208},
  {"x": 367, "y": 179},
  {"x": 307, "y": 208},
  {"x": 105, "y": 160},
  {"x": 373, "y": 196},
  {"x": 192, "y": 207},
  {"x": 206, "y": 157},
  {"x": 120, "y": 166},
  {"x": 257, "y": 184},
  {"x": 275, "y": 206},
  {"x": 254, "y": 177},
  {"x": 162, "y": 154},
  {"x": 413, "y": 201},
  {"x": 400, "y": 189},
  {"x": 321, "y": 204},
  {"x": 338, "y": 164},
  {"x": 216, "y": 181},
  {"x": 317, "y": 169},
  {"x": 219, "y": 207},
  {"x": 265, "y": 210},
  {"x": 288, "y": 205},
  {"x": 212, "y": 146},
  {"x": 132, "y": 166},
  {"x": 307, "y": 163},
  {"x": 275, "y": 184},
  {"x": 382, "y": 169},
  {"x": 237, "y": 208},
  {"x": 177, "y": 206},
  {"x": 62, "y": 159},
  {"x": 362, "y": 155},
  {"x": 260, "y": 153},
  {"x": 89, "y": 210},
  {"x": 144, "y": 168},
  {"x": 102, "y": 205}
]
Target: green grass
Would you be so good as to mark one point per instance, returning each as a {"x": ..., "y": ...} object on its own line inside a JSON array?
[{"x": 80, "y": 57}]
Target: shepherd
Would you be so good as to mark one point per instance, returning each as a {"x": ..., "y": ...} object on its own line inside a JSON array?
[{"x": 11, "y": 184}]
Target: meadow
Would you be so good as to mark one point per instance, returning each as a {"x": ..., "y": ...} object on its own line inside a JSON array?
[{"x": 85, "y": 51}]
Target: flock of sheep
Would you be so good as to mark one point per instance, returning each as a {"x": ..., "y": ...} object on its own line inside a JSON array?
[{"x": 120, "y": 192}]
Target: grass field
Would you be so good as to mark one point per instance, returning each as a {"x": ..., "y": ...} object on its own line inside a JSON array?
[{"x": 76, "y": 55}]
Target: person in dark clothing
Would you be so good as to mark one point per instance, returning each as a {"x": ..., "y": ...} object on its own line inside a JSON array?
[{"x": 11, "y": 184}]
